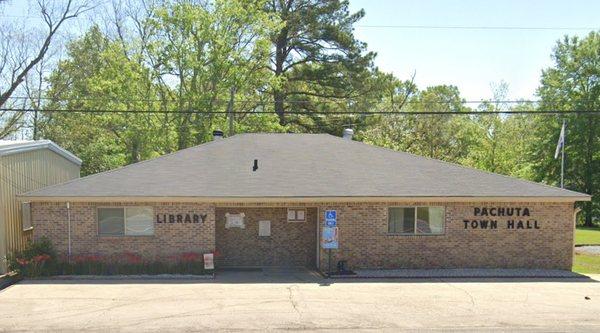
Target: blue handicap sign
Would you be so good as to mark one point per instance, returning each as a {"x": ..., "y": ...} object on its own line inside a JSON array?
[{"x": 330, "y": 215}]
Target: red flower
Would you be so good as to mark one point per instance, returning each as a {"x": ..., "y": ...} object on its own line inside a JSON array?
[
  {"x": 80, "y": 259},
  {"x": 189, "y": 257},
  {"x": 41, "y": 258},
  {"x": 132, "y": 258},
  {"x": 22, "y": 262}
]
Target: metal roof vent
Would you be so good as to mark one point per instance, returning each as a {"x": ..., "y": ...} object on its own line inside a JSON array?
[
  {"x": 348, "y": 133},
  {"x": 217, "y": 135}
]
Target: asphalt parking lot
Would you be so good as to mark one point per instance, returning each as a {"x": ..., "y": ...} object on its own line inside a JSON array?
[{"x": 255, "y": 301}]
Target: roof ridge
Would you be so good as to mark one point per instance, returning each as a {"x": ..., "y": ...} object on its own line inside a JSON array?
[
  {"x": 278, "y": 133},
  {"x": 460, "y": 166}
]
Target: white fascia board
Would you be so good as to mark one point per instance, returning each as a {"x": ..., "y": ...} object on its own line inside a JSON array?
[{"x": 41, "y": 144}]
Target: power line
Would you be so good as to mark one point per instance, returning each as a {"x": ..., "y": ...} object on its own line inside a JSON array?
[
  {"x": 479, "y": 101},
  {"x": 438, "y": 27},
  {"x": 101, "y": 111},
  {"x": 464, "y": 27}
]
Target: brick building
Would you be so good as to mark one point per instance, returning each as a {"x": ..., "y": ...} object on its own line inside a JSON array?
[{"x": 261, "y": 200}]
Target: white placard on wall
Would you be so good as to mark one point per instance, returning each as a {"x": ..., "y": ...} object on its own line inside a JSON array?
[
  {"x": 234, "y": 220},
  {"x": 264, "y": 228}
]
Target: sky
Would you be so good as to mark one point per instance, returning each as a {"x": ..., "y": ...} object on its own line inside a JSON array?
[{"x": 472, "y": 60}]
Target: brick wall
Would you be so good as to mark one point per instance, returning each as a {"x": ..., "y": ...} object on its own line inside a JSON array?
[
  {"x": 290, "y": 243},
  {"x": 50, "y": 219},
  {"x": 365, "y": 242}
]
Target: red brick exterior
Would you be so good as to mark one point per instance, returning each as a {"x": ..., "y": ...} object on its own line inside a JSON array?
[
  {"x": 364, "y": 238},
  {"x": 50, "y": 220},
  {"x": 365, "y": 242},
  {"x": 290, "y": 243}
]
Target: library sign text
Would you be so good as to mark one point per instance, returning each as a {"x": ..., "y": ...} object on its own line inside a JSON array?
[
  {"x": 180, "y": 218},
  {"x": 501, "y": 217}
]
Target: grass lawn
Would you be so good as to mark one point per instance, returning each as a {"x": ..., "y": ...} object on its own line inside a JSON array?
[
  {"x": 585, "y": 235},
  {"x": 586, "y": 264}
]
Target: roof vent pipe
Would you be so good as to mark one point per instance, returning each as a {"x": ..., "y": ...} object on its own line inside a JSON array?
[
  {"x": 217, "y": 135},
  {"x": 348, "y": 133}
]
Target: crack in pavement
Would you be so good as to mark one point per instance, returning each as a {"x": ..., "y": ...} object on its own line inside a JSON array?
[
  {"x": 463, "y": 290},
  {"x": 292, "y": 299}
]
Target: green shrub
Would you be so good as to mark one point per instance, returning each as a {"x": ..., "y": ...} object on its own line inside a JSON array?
[{"x": 38, "y": 259}]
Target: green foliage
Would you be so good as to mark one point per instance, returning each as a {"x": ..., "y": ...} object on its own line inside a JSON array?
[
  {"x": 571, "y": 84},
  {"x": 95, "y": 267},
  {"x": 38, "y": 259},
  {"x": 216, "y": 52},
  {"x": 586, "y": 264},
  {"x": 442, "y": 137},
  {"x": 317, "y": 60},
  {"x": 99, "y": 76},
  {"x": 586, "y": 236}
]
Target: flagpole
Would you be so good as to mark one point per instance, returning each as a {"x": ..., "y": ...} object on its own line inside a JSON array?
[{"x": 562, "y": 159}]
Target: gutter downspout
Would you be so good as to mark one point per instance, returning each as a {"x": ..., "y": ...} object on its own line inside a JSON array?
[
  {"x": 69, "y": 231},
  {"x": 575, "y": 212}
]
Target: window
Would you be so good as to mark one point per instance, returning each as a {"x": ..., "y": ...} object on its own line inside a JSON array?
[
  {"x": 296, "y": 215},
  {"x": 130, "y": 221},
  {"x": 26, "y": 215},
  {"x": 416, "y": 220}
]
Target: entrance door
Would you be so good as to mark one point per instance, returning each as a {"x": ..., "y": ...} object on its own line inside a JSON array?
[{"x": 291, "y": 243}]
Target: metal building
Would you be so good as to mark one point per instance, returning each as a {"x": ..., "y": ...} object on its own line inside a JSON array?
[{"x": 26, "y": 166}]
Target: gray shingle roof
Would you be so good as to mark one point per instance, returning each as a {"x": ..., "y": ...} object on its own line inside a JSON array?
[{"x": 297, "y": 165}]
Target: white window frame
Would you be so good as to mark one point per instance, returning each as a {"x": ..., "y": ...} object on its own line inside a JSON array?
[
  {"x": 415, "y": 222},
  {"x": 296, "y": 219},
  {"x": 124, "y": 221}
]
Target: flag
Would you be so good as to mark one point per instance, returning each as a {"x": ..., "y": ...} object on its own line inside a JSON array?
[{"x": 561, "y": 141}]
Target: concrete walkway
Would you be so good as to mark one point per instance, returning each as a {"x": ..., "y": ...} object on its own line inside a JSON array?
[
  {"x": 463, "y": 273},
  {"x": 588, "y": 249},
  {"x": 302, "y": 301}
]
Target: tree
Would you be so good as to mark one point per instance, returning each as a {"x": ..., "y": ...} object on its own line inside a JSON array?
[
  {"x": 446, "y": 137},
  {"x": 216, "y": 52},
  {"x": 315, "y": 56},
  {"x": 501, "y": 140},
  {"x": 97, "y": 76},
  {"x": 19, "y": 54},
  {"x": 572, "y": 83}
]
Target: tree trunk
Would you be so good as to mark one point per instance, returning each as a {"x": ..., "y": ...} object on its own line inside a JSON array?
[
  {"x": 230, "y": 111},
  {"x": 281, "y": 45},
  {"x": 279, "y": 108},
  {"x": 587, "y": 208},
  {"x": 135, "y": 151}
]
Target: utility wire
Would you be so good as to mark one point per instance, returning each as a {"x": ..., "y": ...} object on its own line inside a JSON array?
[
  {"x": 419, "y": 26},
  {"x": 464, "y": 27},
  {"x": 516, "y": 101},
  {"x": 459, "y": 113}
]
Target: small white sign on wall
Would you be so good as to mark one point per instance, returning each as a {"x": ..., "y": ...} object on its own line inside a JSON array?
[
  {"x": 209, "y": 262},
  {"x": 264, "y": 228},
  {"x": 234, "y": 220}
]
